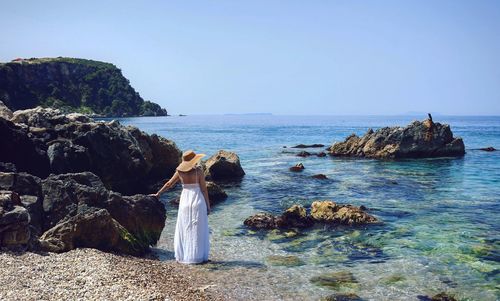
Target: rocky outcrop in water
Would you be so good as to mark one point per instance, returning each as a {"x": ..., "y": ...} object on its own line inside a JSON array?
[
  {"x": 42, "y": 141},
  {"x": 324, "y": 212},
  {"x": 297, "y": 168},
  {"x": 67, "y": 211},
  {"x": 223, "y": 165},
  {"x": 417, "y": 140},
  {"x": 488, "y": 149}
]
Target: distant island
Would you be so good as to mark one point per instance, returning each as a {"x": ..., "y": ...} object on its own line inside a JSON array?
[{"x": 72, "y": 85}]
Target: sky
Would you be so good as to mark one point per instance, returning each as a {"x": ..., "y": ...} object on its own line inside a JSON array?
[{"x": 282, "y": 57}]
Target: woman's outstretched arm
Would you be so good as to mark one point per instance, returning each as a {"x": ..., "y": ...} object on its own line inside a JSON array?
[
  {"x": 173, "y": 180},
  {"x": 204, "y": 190}
]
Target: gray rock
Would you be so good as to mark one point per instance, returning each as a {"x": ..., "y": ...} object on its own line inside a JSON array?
[
  {"x": 14, "y": 221},
  {"x": 417, "y": 140},
  {"x": 223, "y": 165}
]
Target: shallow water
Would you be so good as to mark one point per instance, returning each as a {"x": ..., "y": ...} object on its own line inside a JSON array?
[{"x": 440, "y": 228}]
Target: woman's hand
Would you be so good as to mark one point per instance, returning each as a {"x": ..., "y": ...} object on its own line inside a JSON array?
[{"x": 156, "y": 195}]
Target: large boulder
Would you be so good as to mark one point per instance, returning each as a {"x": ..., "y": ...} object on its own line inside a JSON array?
[
  {"x": 417, "y": 140},
  {"x": 65, "y": 156},
  {"x": 14, "y": 221},
  {"x": 143, "y": 216},
  {"x": 295, "y": 217},
  {"x": 223, "y": 165},
  {"x": 39, "y": 117},
  {"x": 94, "y": 228}
]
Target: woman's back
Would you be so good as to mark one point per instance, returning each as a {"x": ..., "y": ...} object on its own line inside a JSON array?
[{"x": 190, "y": 177}]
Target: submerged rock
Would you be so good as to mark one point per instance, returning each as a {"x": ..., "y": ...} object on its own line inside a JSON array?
[
  {"x": 320, "y": 177},
  {"x": 488, "y": 149},
  {"x": 284, "y": 260},
  {"x": 297, "y": 168},
  {"x": 303, "y": 154},
  {"x": 334, "y": 279},
  {"x": 321, "y": 154},
  {"x": 417, "y": 140},
  {"x": 342, "y": 297},
  {"x": 223, "y": 165}
]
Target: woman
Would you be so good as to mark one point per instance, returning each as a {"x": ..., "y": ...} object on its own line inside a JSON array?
[{"x": 191, "y": 241}]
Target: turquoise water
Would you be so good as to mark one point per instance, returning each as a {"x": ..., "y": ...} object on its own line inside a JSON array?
[{"x": 440, "y": 228}]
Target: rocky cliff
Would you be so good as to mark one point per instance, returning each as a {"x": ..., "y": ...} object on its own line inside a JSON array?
[{"x": 72, "y": 85}]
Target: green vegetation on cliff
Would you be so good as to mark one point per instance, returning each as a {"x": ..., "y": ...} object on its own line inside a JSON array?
[{"x": 72, "y": 85}]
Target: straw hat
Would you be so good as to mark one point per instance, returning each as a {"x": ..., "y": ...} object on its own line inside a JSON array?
[{"x": 189, "y": 160}]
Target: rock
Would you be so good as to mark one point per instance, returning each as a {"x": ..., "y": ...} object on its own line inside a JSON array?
[
  {"x": 303, "y": 154},
  {"x": 329, "y": 212},
  {"x": 90, "y": 229},
  {"x": 488, "y": 149},
  {"x": 215, "y": 193},
  {"x": 14, "y": 221},
  {"x": 294, "y": 217},
  {"x": 142, "y": 216},
  {"x": 39, "y": 117},
  {"x": 443, "y": 297},
  {"x": 334, "y": 279},
  {"x": 297, "y": 168},
  {"x": 323, "y": 211},
  {"x": 321, "y": 154},
  {"x": 126, "y": 159},
  {"x": 18, "y": 148},
  {"x": 342, "y": 297},
  {"x": 308, "y": 145},
  {"x": 5, "y": 112},
  {"x": 284, "y": 260},
  {"x": 65, "y": 194},
  {"x": 320, "y": 177},
  {"x": 261, "y": 221},
  {"x": 223, "y": 165},
  {"x": 417, "y": 140},
  {"x": 65, "y": 157}
]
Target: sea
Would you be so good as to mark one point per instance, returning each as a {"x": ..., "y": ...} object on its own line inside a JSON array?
[{"x": 440, "y": 229}]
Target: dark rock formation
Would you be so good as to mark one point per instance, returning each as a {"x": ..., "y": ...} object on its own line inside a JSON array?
[
  {"x": 297, "y": 168},
  {"x": 308, "y": 145},
  {"x": 321, "y": 154},
  {"x": 223, "y": 165},
  {"x": 76, "y": 210},
  {"x": 417, "y": 140},
  {"x": 488, "y": 149},
  {"x": 438, "y": 297},
  {"x": 325, "y": 212},
  {"x": 303, "y": 154},
  {"x": 126, "y": 159},
  {"x": 72, "y": 85},
  {"x": 342, "y": 297}
]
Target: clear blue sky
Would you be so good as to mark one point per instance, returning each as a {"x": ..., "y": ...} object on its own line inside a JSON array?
[{"x": 283, "y": 57}]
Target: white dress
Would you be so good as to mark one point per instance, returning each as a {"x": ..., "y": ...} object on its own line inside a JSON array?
[{"x": 191, "y": 239}]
